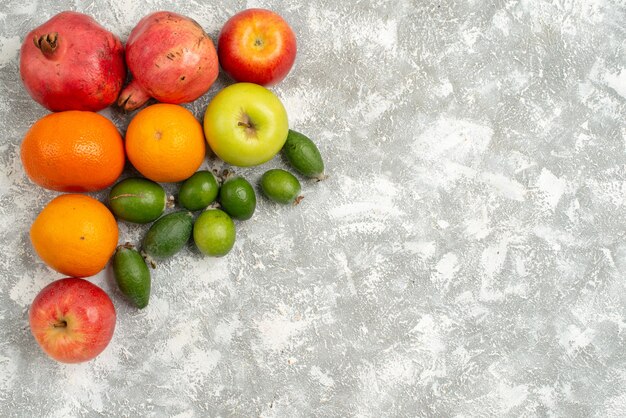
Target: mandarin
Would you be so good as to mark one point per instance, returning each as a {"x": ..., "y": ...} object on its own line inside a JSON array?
[
  {"x": 165, "y": 143},
  {"x": 75, "y": 235},
  {"x": 73, "y": 151}
]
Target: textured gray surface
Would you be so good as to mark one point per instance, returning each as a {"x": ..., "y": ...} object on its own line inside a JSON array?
[{"x": 465, "y": 258}]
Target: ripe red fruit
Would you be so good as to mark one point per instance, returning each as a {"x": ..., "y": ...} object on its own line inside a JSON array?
[
  {"x": 257, "y": 46},
  {"x": 72, "y": 63},
  {"x": 72, "y": 320},
  {"x": 171, "y": 58}
]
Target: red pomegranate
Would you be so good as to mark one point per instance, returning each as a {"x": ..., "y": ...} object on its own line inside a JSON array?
[
  {"x": 171, "y": 58},
  {"x": 72, "y": 63}
]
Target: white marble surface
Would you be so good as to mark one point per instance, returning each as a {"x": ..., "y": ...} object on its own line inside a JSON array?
[{"x": 466, "y": 256}]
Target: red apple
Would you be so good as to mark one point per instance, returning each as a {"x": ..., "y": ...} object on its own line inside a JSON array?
[
  {"x": 257, "y": 46},
  {"x": 72, "y": 320}
]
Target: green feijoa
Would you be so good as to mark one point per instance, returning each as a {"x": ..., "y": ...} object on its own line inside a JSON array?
[
  {"x": 214, "y": 232},
  {"x": 137, "y": 200},
  {"x": 303, "y": 155},
  {"x": 168, "y": 235},
  {"x": 132, "y": 275},
  {"x": 198, "y": 191},
  {"x": 280, "y": 186},
  {"x": 237, "y": 198}
]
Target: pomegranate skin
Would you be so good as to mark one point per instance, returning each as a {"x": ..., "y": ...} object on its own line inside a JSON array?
[
  {"x": 171, "y": 58},
  {"x": 72, "y": 63}
]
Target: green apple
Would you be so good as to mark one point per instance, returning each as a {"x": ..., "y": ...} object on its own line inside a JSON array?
[{"x": 245, "y": 124}]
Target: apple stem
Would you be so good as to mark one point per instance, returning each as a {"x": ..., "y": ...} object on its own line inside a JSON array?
[
  {"x": 246, "y": 122},
  {"x": 60, "y": 324}
]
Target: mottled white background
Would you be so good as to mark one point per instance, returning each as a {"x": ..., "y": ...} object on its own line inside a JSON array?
[{"x": 466, "y": 256}]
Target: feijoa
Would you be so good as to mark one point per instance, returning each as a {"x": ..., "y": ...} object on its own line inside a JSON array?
[
  {"x": 168, "y": 235},
  {"x": 303, "y": 155},
  {"x": 281, "y": 186},
  {"x": 132, "y": 275},
  {"x": 137, "y": 200},
  {"x": 214, "y": 232},
  {"x": 198, "y": 191},
  {"x": 237, "y": 198}
]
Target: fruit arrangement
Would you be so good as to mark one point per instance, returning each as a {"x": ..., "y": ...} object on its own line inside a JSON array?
[{"x": 74, "y": 67}]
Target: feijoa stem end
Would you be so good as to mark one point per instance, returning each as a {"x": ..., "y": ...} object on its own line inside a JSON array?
[
  {"x": 149, "y": 260},
  {"x": 127, "y": 245}
]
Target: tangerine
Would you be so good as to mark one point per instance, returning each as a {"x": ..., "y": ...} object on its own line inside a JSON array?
[
  {"x": 73, "y": 151},
  {"x": 165, "y": 143},
  {"x": 75, "y": 235}
]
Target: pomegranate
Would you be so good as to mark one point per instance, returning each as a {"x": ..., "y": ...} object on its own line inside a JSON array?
[
  {"x": 72, "y": 63},
  {"x": 171, "y": 58}
]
